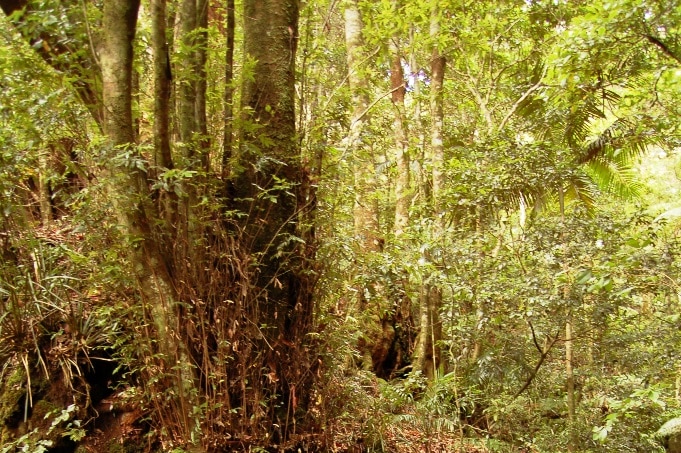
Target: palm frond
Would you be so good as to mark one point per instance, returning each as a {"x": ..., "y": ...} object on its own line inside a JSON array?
[
  {"x": 621, "y": 142},
  {"x": 617, "y": 178},
  {"x": 579, "y": 121},
  {"x": 582, "y": 190}
]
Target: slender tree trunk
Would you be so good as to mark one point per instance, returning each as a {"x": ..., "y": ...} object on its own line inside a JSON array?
[
  {"x": 366, "y": 206},
  {"x": 44, "y": 189},
  {"x": 162, "y": 81},
  {"x": 379, "y": 332},
  {"x": 187, "y": 79},
  {"x": 162, "y": 74},
  {"x": 421, "y": 183},
  {"x": 229, "y": 92},
  {"x": 402, "y": 192},
  {"x": 201, "y": 83},
  {"x": 427, "y": 352},
  {"x": 190, "y": 79},
  {"x": 569, "y": 355},
  {"x": 570, "y": 380}
]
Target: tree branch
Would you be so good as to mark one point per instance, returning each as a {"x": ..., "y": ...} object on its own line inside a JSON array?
[
  {"x": 665, "y": 49},
  {"x": 376, "y": 101},
  {"x": 520, "y": 100},
  {"x": 543, "y": 354}
]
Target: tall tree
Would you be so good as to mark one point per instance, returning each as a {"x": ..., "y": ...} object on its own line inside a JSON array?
[
  {"x": 397, "y": 85},
  {"x": 268, "y": 295},
  {"x": 187, "y": 79},
  {"x": 427, "y": 352},
  {"x": 379, "y": 338},
  {"x": 136, "y": 213},
  {"x": 228, "y": 100},
  {"x": 365, "y": 209},
  {"x": 162, "y": 81},
  {"x": 200, "y": 103},
  {"x": 268, "y": 183}
]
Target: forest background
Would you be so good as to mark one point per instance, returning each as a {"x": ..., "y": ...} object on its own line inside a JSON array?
[{"x": 339, "y": 225}]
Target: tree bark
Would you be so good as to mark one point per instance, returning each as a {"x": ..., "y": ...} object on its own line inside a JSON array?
[
  {"x": 131, "y": 196},
  {"x": 402, "y": 191},
  {"x": 268, "y": 183},
  {"x": 366, "y": 207},
  {"x": 133, "y": 202},
  {"x": 202, "y": 83},
  {"x": 187, "y": 78},
  {"x": 162, "y": 81},
  {"x": 570, "y": 381},
  {"x": 379, "y": 333},
  {"x": 427, "y": 352},
  {"x": 228, "y": 100}
]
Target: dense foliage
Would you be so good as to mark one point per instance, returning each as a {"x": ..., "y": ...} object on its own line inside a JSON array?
[{"x": 340, "y": 226}]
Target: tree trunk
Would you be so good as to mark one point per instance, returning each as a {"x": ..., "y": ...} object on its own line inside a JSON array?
[
  {"x": 201, "y": 84},
  {"x": 228, "y": 100},
  {"x": 131, "y": 194},
  {"x": 187, "y": 79},
  {"x": 162, "y": 74},
  {"x": 366, "y": 206},
  {"x": 191, "y": 114},
  {"x": 162, "y": 81},
  {"x": 427, "y": 353},
  {"x": 569, "y": 356},
  {"x": 268, "y": 187},
  {"x": 402, "y": 192},
  {"x": 421, "y": 183},
  {"x": 570, "y": 383},
  {"x": 44, "y": 188},
  {"x": 376, "y": 345}
]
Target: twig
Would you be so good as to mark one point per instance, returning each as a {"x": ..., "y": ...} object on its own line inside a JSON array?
[
  {"x": 665, "y": 49},
  {"x": 376, "y": 101},
  {"x": 543, "y": 354},
  {"x": 520, "y": 100}
]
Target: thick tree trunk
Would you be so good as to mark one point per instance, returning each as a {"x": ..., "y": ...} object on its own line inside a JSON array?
[
  {"x": 133, "y": 203},
  {"x": 268, "y": 186},
  {"x": 131, "y": 195}
]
